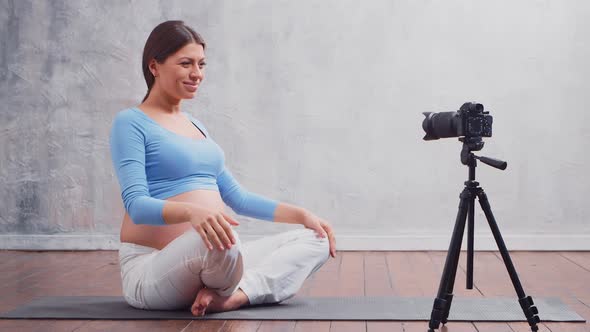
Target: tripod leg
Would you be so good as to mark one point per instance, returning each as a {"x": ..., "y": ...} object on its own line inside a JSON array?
[
  {"x": 470, "y": 235},
  {"x": 442, "y": 303},
  {"x": 470, "y": 200},
  {"x": 526, "y": 302}
]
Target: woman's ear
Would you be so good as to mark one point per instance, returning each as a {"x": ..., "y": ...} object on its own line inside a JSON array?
[{"x": 153, "y": 66}]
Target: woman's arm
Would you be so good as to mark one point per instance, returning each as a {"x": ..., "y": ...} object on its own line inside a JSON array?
[
  {"x": 292, "y": 214},
  {"x": 253, "y": 205},
  {"x": 243, "y": 202},
  {"x": 289, "y": 214},
  {"x": 127, "y": 147},
  {"x": 178, "y": 212}
]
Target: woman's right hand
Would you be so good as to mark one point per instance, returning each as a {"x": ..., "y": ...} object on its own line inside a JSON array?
[{"x": 214, "y": 227}]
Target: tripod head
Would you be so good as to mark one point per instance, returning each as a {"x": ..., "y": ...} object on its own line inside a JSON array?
[{"x": 475, "y": 144}]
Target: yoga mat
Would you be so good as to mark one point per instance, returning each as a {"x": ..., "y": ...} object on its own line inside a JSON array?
[{"x": 301, "y": 308}]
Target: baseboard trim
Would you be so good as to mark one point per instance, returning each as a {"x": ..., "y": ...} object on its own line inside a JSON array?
[
  {"x": 407, "y": 242},
  {"x": 59, "y": 242},
  {"x": 420, "y": 242}
]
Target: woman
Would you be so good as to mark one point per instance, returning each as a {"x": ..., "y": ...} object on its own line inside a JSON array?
[{"x": 178, "y": 248}]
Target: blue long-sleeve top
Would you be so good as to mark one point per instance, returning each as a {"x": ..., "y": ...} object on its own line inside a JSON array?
[{"x": 153, "y": 163}]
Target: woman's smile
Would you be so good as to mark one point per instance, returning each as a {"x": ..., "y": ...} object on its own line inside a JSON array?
[{"x": 191, "y": 86}]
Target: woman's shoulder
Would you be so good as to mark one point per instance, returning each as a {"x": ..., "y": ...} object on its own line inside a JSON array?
[
  {"x": 128, "y": 119},
  {"x": 128, "y": 113},
  {"x": 129, "y": 116}
]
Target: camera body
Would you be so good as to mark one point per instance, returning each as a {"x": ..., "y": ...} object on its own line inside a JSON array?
[
  {"x": 475, "y": 122},
  {"x": 470, "y": 121}
]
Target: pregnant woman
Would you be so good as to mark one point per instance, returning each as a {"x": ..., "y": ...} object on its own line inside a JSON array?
[{"x": 178, "y": 247}]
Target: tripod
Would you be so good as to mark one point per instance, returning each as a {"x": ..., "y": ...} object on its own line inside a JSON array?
[{"x": 444, "y": 297}]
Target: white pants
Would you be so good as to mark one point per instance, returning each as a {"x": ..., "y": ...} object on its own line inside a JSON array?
[{"x": 268, "y": 270}]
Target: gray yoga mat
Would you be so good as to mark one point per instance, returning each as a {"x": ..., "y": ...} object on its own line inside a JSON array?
[{"x": 304, "y": 308}]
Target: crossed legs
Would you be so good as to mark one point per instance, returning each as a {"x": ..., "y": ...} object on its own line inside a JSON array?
[{"x": 185, "y": 273}]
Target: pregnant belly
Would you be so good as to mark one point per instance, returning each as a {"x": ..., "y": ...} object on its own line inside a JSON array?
[{"x": 159, "y": 236}]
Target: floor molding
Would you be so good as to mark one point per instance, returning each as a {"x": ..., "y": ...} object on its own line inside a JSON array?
[
  {"x": 519, "y": 242},
  {"x": 406, "y": 242}
]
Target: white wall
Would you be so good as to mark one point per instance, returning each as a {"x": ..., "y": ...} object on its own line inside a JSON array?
[{"x": 316, "y": 103}]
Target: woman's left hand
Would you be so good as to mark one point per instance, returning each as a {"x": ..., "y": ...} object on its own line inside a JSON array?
[{"x": 322, "y": 228}]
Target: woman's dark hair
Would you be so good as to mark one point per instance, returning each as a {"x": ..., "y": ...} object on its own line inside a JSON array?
[{"x": 166, "y": 38}]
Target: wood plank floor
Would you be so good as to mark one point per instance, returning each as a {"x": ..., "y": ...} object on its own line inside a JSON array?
[{"x": 25, "y": 275}]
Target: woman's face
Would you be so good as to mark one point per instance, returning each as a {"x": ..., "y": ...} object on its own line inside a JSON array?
[{"x": 181, "y": 73}]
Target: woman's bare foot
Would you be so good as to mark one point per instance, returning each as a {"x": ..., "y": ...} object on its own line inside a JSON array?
[{"x": 208, "y": 300}]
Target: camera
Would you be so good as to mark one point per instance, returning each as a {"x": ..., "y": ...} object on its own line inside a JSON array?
[{"x": 470, "y": 121}]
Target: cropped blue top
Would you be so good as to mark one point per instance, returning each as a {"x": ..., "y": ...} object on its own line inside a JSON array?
[{"x": 153, "y": 163}]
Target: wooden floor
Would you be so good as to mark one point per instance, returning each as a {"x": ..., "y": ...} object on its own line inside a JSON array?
[{"x": 25, "y": 275}]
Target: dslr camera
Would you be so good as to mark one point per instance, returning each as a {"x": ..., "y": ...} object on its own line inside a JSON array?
[{"x": 470, "y": 122}]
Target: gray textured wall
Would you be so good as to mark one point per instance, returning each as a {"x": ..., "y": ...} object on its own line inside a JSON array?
[{"x": 316, "y": 103}]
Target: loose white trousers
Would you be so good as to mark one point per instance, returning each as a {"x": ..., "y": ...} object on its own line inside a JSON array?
[{"x": 268, "y": 270}]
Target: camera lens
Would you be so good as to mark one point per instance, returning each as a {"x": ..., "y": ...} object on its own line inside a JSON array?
[{"x": 440, "y": 125}]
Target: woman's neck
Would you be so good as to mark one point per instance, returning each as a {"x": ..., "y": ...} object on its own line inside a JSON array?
[{"x": 161, "y": 102}]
